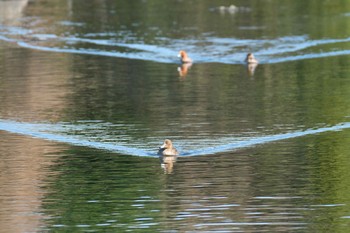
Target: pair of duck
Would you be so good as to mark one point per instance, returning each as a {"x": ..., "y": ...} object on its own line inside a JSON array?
[{"x": 250, "y": 59}]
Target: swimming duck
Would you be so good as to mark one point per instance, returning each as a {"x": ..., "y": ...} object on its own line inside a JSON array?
[
  {"x": 184, "y": 57},
  {"x": 250, "y": 59},
  {"x": 167, "y": 148},
  {"x": 229, "y": 9}
]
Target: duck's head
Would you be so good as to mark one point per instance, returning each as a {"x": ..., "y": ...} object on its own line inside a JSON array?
[
  {"x": 182, "y": 54},
  {"x": 184, "y": 57},
  {"x": 167, "y": 144}
]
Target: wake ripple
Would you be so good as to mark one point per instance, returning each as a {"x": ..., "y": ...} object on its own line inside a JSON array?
[
  {"x": 203, "y": 49},
  {"x": 40, "y": 131}
]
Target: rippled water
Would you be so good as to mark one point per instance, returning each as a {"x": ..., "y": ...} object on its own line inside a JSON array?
[
  {"x": 87, "y": 133},
  {"x": 90, "y": 89}
]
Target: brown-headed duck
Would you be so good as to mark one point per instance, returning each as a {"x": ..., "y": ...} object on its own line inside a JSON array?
[
  {"x": 250, "y": 59},
  {"x": 167, "y": 148},
  {"x": 184, "y": 58}
]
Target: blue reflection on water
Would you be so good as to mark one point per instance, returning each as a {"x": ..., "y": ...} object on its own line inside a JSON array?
[
  {"x": 40, "y": 131},
  {"x": 47, "y": 132},
  {"x": 203, "y": 49}
]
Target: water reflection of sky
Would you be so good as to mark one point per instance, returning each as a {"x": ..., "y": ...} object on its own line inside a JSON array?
[
  {"x": 154, "y": 43},
  {"x": 203, "y": 49},
  {"x": 94, "y": 134},
  {"x": 51, "y": 91}
]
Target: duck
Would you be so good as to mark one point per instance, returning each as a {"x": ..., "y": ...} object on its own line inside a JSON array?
[
  {"x": 232, "y": 9},
  {"x": 250, "y": 59},
  {"x": 184, "y": 58},
  {"x": 167, "y": 149}
]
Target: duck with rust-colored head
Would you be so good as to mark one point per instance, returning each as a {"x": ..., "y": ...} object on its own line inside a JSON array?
[
  {"x": 250, "y": 59},
  {"x": 167, "y": 149},
  {"x": 184, "y": 58}
]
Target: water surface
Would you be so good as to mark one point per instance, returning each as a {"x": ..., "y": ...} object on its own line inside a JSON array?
[{"x": 89, "y": 91}]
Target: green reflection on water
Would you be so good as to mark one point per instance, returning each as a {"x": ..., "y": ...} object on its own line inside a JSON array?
[
  {"x": 95, "y": 190},
  {"x": 296, "y": 183}
]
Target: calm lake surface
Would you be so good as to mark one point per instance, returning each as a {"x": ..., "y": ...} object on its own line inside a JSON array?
[{"x": 90, "y": 89}]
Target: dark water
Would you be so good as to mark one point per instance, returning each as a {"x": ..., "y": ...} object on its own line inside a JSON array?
[{"x": 90, "y": 89}]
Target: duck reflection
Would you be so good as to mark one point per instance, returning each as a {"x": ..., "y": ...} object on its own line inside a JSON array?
[
  {"x": 167, "y": 163},
  {"x": 251, "y": 68},
  {"x": 183, "y": 69}
]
